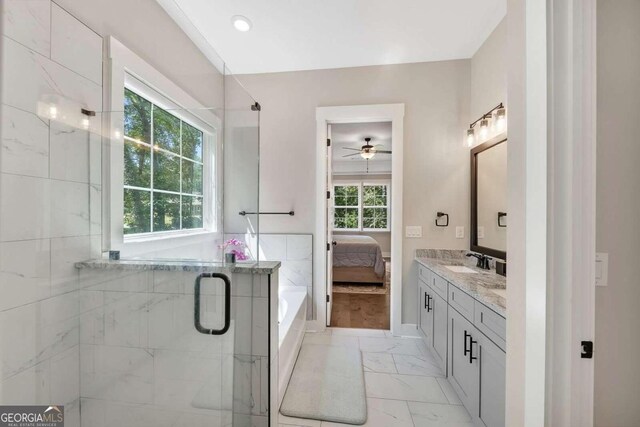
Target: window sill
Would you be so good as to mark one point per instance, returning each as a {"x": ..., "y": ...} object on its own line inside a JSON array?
[
  {"x": 166, "y": 236},
  {"x": 357, "y": 230}
]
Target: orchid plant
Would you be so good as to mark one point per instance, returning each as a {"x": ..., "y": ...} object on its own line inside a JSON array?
[{"x": 237, "y": 249}]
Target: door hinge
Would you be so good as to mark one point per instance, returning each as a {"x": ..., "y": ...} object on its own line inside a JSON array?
[
  {"x": 587, "y": 350},
  {"x": 328, "y": 298},
  {"x": 328, "y": 194},
  {"x": 328, "y": 142},
  {"x": 328, "y": 246}
]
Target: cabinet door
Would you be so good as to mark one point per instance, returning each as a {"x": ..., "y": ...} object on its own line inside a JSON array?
[
  {"x": 440, "y": 331},
  {"x": 463, "y": 369},
  {"x": 426, "y": 313},
  {"x": 492, "y": 383}
]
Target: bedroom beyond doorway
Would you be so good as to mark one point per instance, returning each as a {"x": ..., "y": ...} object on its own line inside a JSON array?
[{"x": 359, "y": 221}]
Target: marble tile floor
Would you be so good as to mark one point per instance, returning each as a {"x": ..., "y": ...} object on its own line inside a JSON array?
[{"x": 404, "y": 385}]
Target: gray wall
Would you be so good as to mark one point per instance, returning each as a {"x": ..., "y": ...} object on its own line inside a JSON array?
[
  {"x": 489, "y": 73},
  {"x": 617, "y": 376},
  {"x": 436, "y": 170}
]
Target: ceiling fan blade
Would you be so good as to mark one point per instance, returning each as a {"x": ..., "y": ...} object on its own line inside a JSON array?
[
  {"x": 354, "y": 149},
  {"x": 351, "y": 155},
  {"x": 383, "y": 151}
]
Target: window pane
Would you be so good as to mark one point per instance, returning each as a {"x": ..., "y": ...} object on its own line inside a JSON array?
[
  {"x": 137, "y": 117},
  {"x": 346, "y": 218},
  {"x": 137, "y": 165},
  {"x": 166, "y": 212},
  {"x": 374, "y": 218},
  {"x": 136, "y": 211},
  {"x": 374, "y": 195},
  {"x": 191, "y": 212},
  {"x": 166, "y": 130},
  {"x": 191, "y": 142},
  {"x": 346, "y": 195},
  {"x": 166, "y": 171},
  {"x": 191, "y": 177}
]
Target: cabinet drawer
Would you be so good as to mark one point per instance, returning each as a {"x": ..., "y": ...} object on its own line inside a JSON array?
[
  {"x": 425, "y": 274},
  {"x": 491, "y": 324},
  {"x": 461, "y": 302},
  {"x": 440, "y": 286}
]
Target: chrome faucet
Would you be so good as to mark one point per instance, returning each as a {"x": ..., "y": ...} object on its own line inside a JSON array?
[{"x": 483, "y": 260}]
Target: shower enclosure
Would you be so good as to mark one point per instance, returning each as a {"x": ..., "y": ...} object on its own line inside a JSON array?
[{"x": 111, "y": 150}]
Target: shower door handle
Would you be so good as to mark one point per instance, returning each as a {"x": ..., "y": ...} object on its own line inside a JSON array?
[{"x": 227, "y": 304}]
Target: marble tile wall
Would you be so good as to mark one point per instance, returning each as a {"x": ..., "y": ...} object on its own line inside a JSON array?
[
  {"x": 141, "y": 356},
  {"x": 49, "y": 200},
  {"x": 295, "y": 251}
]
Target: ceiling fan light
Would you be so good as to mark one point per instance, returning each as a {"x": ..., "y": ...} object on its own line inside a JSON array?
[{"x": 368, "y": 154}]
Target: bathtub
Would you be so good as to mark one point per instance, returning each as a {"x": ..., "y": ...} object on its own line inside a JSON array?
[{"x": 292, "y": 318}]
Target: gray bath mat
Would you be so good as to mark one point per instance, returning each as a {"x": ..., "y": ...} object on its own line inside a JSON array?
[{"x": 327, "y": 384}]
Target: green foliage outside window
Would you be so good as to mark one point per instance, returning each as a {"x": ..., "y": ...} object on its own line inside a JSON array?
[
  {"x": 361, "y": 207},
  {"x": 163, "y": 169}
]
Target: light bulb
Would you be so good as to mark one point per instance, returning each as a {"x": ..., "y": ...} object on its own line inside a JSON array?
[
  {"x": 484, "y": 129},
  {"x": 85, "y": 123},
  {"x": 471, "y": 137},
  {"x": 368, "y": 153},
  {"x": 241, "y": 23},
  {"x": 501, "y": 119},
  {"x": 53, "y": 111}
]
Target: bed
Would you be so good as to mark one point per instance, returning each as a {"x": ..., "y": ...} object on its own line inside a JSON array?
[{"x": 357, "y": 259}]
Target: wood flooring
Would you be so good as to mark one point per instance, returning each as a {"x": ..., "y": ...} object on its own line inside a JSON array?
[{"x": 368, "y": 311}]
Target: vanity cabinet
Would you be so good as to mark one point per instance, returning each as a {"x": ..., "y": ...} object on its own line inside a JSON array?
[{"x": 468, "y": 340}]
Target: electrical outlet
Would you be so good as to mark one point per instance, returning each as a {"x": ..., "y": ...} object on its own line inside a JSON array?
[
  {"x": 414, "y": 231},
  {"x": 459, "y": 232},
  {"x": 480, "y": 232}
]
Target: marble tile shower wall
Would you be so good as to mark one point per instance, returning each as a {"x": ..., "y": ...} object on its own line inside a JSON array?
[
  {"x": 143, "y": 362},
  {"x": 49, "y": 200}
]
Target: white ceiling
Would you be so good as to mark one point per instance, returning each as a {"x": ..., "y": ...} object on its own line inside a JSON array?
[{"x": 291, "y": 35}]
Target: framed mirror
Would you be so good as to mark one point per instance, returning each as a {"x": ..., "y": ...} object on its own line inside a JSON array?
[{"x": 489, "y": 198}]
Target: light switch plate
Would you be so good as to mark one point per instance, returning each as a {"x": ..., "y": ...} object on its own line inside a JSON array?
[
  {"x": 459, "y": 232},
  {"x": 602, "y": 269},
  {"x": 414, "y": 231},
  {"x": 480, "y": 232}
]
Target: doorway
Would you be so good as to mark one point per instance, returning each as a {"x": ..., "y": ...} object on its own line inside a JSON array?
[
  {"x": 359, "y": 224},
  {"x": 342, "y": 132}
]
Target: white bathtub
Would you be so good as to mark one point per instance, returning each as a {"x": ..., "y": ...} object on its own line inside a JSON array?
[{"x": 292, "y": 318}]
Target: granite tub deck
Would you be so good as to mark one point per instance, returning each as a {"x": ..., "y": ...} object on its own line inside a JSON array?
[
  {"x": 262, "y": 267},
  {"x": 485, "y": 285}
]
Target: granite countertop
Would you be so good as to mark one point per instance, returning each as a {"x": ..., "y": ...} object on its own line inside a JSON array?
[
  {"x": 262, "y": 267},
  {"x": 485, "y": 285}
]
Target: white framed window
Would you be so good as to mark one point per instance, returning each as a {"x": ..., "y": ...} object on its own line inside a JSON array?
[
  {"x": 362, "y": 206},
  {"x": 163, "y": 165},
  {"x": 164, "y": 169}
]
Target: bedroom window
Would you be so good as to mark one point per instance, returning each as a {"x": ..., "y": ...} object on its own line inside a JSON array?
[
  {"x": 361, "y": 206},
  {"x": 163, "y": 169}
]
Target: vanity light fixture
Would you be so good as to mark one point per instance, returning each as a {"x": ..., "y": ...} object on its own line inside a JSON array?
[
  {"x": 500, "y": 124},
  {"x": 501, "y": 119},
  {"x": 471, "y": 137},
  {"x": 484, "y": 129},
  {"x": 241, "y": 23}
]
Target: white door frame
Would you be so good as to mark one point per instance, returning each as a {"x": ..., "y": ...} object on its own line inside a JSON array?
[
  {"x": 393, "y": 113},
  {"x": 551, "y": 238}
]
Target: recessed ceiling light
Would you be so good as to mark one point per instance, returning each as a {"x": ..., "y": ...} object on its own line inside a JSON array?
[{"x": 241, "y": 23}]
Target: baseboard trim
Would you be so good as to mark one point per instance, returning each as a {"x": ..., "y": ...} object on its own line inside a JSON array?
[{"x": 407, "y": 330}]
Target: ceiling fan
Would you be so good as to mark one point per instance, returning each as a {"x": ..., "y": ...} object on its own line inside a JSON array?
[{"x": 367, "y": 151}]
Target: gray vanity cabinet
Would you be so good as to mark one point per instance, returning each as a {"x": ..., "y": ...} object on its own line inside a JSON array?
[
  {"x": 440, "y": 321},
  {"x": 492, "y": 382},
  {"x": 463, "y": 369},
  {"x": 426, "y": 311}
]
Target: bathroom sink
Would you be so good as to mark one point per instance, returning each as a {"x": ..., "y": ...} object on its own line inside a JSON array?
[{"x": 460, "y": 269}]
